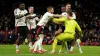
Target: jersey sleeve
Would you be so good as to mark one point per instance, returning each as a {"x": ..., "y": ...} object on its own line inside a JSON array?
[
  {"x": 64, "y": 14},
  {"x": 33, "y": 15},
  {"x": 79, "y": 29},
  {"x": 16, "y": 12},
  {"x": 59, "y": 20},
  {"x": 36, "y": 18},
  {"x": 26, "y": 11},
  {"x": 73, "y": 16},
  {"x": 50, "y": 15}
]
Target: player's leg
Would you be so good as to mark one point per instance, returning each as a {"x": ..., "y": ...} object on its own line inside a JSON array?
[
  {"x": 69, "y": 44},
  {"x": 32, "y": 32},
  {"x": 35, "y": 47},
  {"x": 72, "y": 46},
  {"x": 18, "y": 45},
  {"x": 19, "y": 37},
  {"x": 40, "y": 35},
  {"x": 30, "y": 43},
  {"x": 78, "y": 45},
  {"x": 56, "y": 33},
  {"x": 62, "y": 46},
  {"x": 29, "y": 37},
  {"x": 35, "y": 44},
  {"x": 62, "y": 36}
]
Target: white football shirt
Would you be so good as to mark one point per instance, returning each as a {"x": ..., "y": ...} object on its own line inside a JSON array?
[
  {"x": 21, "y": 21},
  {"x": 73, "y": 16},
  {"x": 31, "y": 23},
  {"x": 46, "y": 17}
]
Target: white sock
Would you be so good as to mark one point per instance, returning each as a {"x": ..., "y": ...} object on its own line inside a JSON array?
[
  {"x": 40, "y": 46},
  {"x": 78, "y": 45},
  {"x": 79, "y": 48},
  {"x": 35, "y": 46},
  {"x": 71, "y": 49},
  {"x": 17, "y": 47},
  {"x": 30, "y": 45},
  {"x": 40, "y": 42}
]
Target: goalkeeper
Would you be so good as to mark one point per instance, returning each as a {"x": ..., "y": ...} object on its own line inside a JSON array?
[{"x": 69, "y": 32}]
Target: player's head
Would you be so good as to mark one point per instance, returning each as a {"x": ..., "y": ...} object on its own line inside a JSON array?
[
  {"x": 31, "y": 9},
  {"x": 21, "y": 6},
  {"x": 50, "y": 9},
  {"x": 69, "y": 13},
  {"x": 68, "y": 6},
  {"x": 63, "y": 9}
]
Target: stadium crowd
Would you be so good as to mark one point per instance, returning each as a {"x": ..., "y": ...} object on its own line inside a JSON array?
[{"x": 87, "y": 17}]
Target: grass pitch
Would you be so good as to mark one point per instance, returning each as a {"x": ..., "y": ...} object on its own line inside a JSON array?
[{"x": 9, "y": 50}]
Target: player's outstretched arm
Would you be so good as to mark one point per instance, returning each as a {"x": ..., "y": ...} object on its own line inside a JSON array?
[
  {"x": 79, "y": 30},
  {"x": 57, "y": 15},
  {"x": 58, "y": 20}
]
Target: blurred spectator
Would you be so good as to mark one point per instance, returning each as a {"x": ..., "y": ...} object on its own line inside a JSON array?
[
  {"x": 1, "y": 37},
  {"x": 11, "y": 37}
]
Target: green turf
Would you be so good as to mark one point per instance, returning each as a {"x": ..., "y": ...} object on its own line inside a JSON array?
[{"x": 9, "y": 50}]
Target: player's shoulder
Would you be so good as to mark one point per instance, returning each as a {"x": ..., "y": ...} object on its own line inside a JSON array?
[
  {"x": 17, "y": 9},
  {"x": 47, "y": 13},
  {"x": 74, "y": 21},
  {"x": 64, "y": 14},
  {"x": 25, "y": 10},
  {"x": 73, "y": 12}
]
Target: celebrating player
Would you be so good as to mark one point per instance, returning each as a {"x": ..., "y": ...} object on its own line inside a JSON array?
[
  {"x": 69, "y": 43},
  {"x": 21, "y": 29},
  {"x": 70, "y": 26},
  {"x": 31, "y": 22},
  {"x": 44, "y": 20}
]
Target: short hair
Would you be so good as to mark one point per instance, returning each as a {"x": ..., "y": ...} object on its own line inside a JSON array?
[
  {"x": 49, "y": 8},
  {"x": 21, "y": 3},
  {"x": 30, "y": 7},
  {"x": 69, "y": 12},
  {"x": 67, "y": 4}
]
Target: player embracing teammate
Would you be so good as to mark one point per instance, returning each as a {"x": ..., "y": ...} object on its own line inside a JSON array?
[{"x": 25, "y": 21}]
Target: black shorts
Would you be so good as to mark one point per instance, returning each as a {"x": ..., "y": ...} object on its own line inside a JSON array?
[
  {"x": 39, "y": 30},
  {"x": 22, "y": 31}
]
